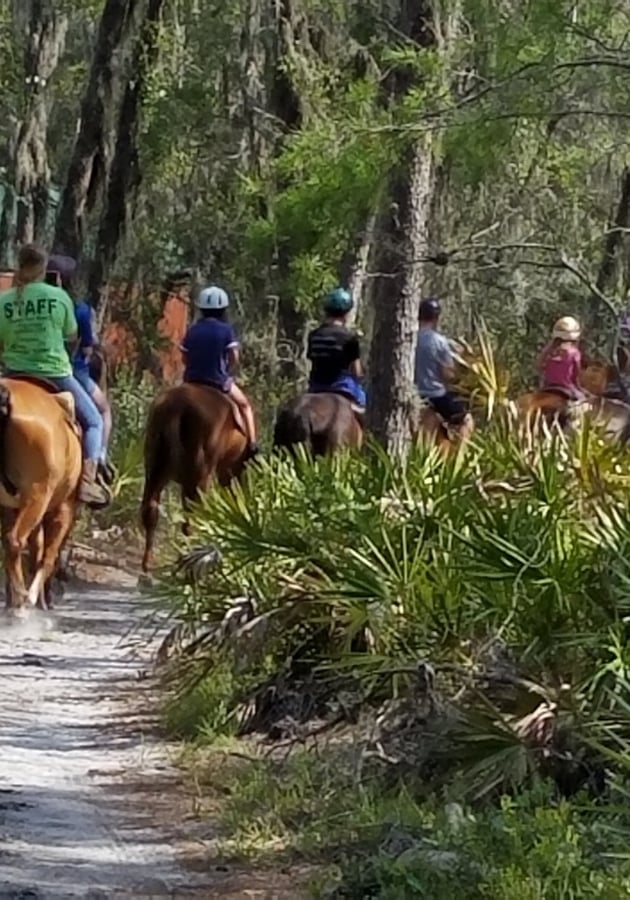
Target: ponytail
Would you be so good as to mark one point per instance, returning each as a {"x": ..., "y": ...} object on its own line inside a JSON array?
[{"x": 31, "y": 267}]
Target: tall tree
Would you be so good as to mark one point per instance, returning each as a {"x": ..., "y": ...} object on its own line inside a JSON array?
[
  {"x": 44, "y": 27},
  {"x": 124, "y": 175},
  {"x": 402, "y": 239},
  {"x": 93, "y": 150}
]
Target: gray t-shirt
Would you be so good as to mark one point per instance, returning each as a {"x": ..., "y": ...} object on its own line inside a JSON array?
[{"x": 432, "y": 354}]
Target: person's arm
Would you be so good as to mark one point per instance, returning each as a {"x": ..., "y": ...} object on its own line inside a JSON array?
[
  {"x": 86, "y": 335},
  {"x": 446, "y": 360},
  {"x": 542, "y": 358},
  {"x": 353, "y": 350},
  {"x": 577, "y": 366},
  {"x": 232, "y": 349}
]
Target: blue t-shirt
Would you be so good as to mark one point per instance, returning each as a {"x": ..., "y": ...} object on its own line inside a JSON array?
[
  {"x": 433, "y": 352},
  {"x": 83, "y": 313},
  {"x": 206, "y": 347}
]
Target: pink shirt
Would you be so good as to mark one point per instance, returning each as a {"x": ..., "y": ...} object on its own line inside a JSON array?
[{"x": 561, "y": 367}]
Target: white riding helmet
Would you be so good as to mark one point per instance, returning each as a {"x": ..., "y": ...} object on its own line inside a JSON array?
[
  {"x": 212, "y": 297},
  {"x": 567, "y": 329}
]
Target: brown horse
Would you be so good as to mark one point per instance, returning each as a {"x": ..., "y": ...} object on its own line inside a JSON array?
[
  {"x": 427, "y": 426},
  {"x": 194, "y": 437},
  {"x": 324, "y": 422},
  {"x": 40, "y": 471},
  {"x": 598, "y": 379}
]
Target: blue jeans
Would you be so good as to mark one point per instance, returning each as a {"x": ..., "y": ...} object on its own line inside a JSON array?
[
  {"x": 346, "y": 384},
  {"x": 88, "y": 416},
  {"x": 84, "y": 379}
]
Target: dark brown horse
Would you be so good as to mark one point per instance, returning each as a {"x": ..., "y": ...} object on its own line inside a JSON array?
[
  {"x": 323, "y": 422},
  {"x": 194, "y": 437}
]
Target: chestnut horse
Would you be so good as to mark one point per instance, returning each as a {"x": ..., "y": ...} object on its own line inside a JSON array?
[
  {"x": 194, "y": 437},
  {"x": 324, "y": 422},
  {"x": 40, "y": 470}
]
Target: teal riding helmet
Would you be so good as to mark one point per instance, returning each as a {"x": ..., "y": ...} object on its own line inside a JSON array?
[{"x": 338, "y": 302}]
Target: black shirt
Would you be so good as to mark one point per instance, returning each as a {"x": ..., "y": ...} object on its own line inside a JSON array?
[{"x": 332, "y": 349}]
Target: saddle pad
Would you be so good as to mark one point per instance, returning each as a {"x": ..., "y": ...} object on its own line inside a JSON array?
[{"x": 66, "y": 402}]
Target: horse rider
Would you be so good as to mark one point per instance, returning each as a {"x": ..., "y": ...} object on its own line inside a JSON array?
[
  {"x": 37, "y": 320},
  {"x": 435, "y": 368},
  {"x": 335, "y": 354},
  {"x": 211, "y": 353},
  {"x": 65, "y": 267},
  {"x": 560, "y": 362}
]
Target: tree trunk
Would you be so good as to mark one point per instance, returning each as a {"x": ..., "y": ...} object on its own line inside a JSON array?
[
  {"x": 125, "y": 175},
  {"x": 613, "y": 245},
  {"x": 91, "y": 158},
  {"x": 403, "y": 241},
  {"x": 402, "y": 244},
  {"x": 354, "y": 269},
  {"x": 45, "y": 39}
]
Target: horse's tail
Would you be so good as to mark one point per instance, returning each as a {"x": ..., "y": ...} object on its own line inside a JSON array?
[
  {"x": 292, "y": 426},
  {"x": 5, "y": 418}
]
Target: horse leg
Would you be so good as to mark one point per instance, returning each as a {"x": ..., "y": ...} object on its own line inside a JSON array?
[
  {"x": 155, "y": 482},
  {"x": 55, "y": 531},
  {"x": 27, "y": 520},
  {"x": 189, "y": 495},
  {"x": 7, "y": 518},
  {"x": 36, "y": 556}
]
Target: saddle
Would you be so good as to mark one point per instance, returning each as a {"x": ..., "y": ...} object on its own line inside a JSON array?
[{"x": 63, "y": 398}]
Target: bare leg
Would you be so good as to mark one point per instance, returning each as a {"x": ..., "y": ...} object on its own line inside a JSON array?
[
  {"x": 102, "y": 404},
  {"x": 246, "y": 410},
  {"x": 466, "y": 429}
]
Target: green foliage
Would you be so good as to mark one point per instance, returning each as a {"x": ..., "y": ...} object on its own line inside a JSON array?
[
  {"x": 420, "y": 558},
  {"x": 528, "y": 848},
  {"x": 384, "y": 845}
]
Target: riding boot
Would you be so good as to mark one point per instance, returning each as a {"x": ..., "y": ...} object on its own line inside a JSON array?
[
  {"x": 106, "y": 473},
  {"x": 92, "y": 494}
]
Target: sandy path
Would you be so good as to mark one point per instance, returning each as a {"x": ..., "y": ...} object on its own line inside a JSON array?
[{"x": 87, "y": 795}]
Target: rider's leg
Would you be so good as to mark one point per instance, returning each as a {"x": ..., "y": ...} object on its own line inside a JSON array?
[
  {"x": 248, "y": 414},
  {"x": 91, "y": 423},
  {"x": 102, "y": 404}
]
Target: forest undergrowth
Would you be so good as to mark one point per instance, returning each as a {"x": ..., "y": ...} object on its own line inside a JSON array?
[{"x": 414, "y": 675}]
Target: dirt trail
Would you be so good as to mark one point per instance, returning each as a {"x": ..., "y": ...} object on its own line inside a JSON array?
[{"x": 88, "y": 796}]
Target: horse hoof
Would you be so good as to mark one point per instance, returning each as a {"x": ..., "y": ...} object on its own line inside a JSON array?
[{"x": 18, "y": 613}]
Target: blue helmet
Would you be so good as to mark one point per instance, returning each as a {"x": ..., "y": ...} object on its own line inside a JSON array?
[{"x": 338, "y": 302}]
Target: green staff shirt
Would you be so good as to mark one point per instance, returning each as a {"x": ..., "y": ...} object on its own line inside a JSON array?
[{"x": 34, "y": 325}]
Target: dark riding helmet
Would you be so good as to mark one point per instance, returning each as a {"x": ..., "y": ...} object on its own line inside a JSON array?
[
  {"x": 338, "y": 302},
  {"x": 430, "y": 308},
  {"x": 62, "y": 266}
]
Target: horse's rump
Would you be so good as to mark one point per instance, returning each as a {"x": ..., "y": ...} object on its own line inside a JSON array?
[
  {"x": 189, "y": 428},
  {"x": 63, "y": 398},
  {"x": 40, "y": 470},
  {"x": 325, "y": 421},
  {"x": 192, "y": 439},
  {"x": 236, "y": 412},
  {"x": 39, "y": 437}
]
